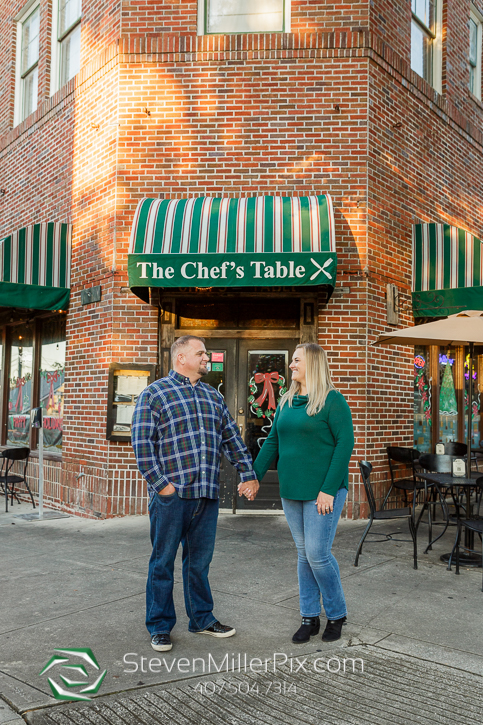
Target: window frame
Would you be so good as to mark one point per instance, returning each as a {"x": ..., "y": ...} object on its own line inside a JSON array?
[
  {"x": 477, "y": 18},
  {"x": 28, "y": 9},
  {"x": 203, "y": 20},
  {"x": 36, "y": 321},
  {"x": 436, "y": 79},
  {"x": 56, "y": 51}
]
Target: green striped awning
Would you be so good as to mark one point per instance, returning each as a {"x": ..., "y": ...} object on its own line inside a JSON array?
[
  {"x": 447, "y": 270},
  {"x": 35, "y": 267},
  {"x": 223, "y": 242}
]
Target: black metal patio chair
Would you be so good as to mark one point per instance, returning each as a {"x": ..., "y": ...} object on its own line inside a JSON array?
[
  {"x": 383, "y": 515},
  {"x": 436, "y": 463},
  {"x": 474, "y": 523},
  {"x": 455, "y": 448},
  {"x": 9, "y": 480},
  {"x": 403, "y": 458}
]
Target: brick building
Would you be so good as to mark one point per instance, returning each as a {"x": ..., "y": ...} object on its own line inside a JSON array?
[{"x": 371, "y": 109}]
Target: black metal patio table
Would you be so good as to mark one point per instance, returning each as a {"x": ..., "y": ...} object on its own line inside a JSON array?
[{"x": 447, "y": 480}]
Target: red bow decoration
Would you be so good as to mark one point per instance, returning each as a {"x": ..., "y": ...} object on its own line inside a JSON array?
[
  {"x": 52, "y": 378},
  {"x": 267, "y": 379},
  {"x": 19, "y": 384}
]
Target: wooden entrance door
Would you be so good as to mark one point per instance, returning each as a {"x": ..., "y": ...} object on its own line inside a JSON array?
[{"x": 251, "y": 375}]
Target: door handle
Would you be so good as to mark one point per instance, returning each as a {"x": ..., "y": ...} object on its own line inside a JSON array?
[{"x": 240, "y": 423}]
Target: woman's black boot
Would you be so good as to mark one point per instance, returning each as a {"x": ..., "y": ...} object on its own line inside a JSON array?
[
  {"x": 310, "y": 626},
  {"x": 333, "y": 629}
]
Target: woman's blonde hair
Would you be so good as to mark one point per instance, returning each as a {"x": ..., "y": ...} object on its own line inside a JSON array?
[{"x": 317, "y": 378}]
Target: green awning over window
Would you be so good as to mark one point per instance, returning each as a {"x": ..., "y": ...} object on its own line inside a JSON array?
[
  {"x": 35, "y": 267},
  {"x": 222, "y": 242},
  {"x": 447, "y": 271}
]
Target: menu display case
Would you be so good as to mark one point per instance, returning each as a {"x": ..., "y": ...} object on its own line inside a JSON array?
[{"x": 126, "y": 383}]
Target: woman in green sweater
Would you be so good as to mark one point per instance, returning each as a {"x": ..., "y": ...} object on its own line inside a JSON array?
[{"x": 313, "y": 436}]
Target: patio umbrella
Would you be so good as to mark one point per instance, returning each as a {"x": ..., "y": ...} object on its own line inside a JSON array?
[{"x": 464, "y": 328}]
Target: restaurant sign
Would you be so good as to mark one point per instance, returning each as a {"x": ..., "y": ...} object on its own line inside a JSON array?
[{"x": 232, "y": 270}]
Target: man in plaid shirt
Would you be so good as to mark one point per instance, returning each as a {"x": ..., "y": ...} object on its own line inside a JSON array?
[{"x": 180, "y": 428}]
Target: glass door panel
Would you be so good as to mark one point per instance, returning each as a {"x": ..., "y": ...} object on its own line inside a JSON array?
[
  {"x": 20, "y": 386},
  {"x": 222, "y": 377},
  {"x": 475, "y": 416},
  {"x": 52, "y": 367},
  {"x": 448, "y": 408},
  {"x": 263, "y": 379},
  {"x": 267, "y": 382},
  {"x": 422, "y": 400}
]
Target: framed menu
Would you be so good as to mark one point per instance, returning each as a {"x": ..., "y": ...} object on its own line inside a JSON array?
[{"x": 126, "y": 383}]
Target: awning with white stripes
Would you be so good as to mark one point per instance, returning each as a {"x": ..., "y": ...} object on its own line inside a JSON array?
[
  {"x": 35, "y": 266},
  {"x": 447, "y": 270},
  {"x": 223, "y": 242}
]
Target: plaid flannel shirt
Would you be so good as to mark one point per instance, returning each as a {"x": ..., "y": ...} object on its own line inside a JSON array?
[{"x": 178, "y": 433}]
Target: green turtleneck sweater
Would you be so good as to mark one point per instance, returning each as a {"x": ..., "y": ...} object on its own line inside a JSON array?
[{"x": 314, "y": 451}]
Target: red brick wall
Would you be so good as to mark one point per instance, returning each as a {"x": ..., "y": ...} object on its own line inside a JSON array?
[
  {"x": 247, "y": 114},
  {"x": 390, "y": 20},
  {"x": 101, "y": 26},
  {"x": 456, "y": 55}
]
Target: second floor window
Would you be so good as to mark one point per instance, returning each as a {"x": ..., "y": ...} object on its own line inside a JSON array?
[
  {"x": 474, "y": 58},
  {"x": 69, "y": 39},
  {"x": 244, "y": 16},
  {"x": 29, "y": 61},
  {"x": 423, "y": 35}
]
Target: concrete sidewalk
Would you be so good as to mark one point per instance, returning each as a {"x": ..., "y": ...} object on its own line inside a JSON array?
[{"x": 79, "y": 583}]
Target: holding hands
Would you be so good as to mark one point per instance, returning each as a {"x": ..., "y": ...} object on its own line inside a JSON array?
[{"x": 249, "y": 489}]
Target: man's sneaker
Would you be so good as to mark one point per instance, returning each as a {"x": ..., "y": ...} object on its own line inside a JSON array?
[
  {"x": 333, "y": 629},
  {"x": 218, "y": 630},
  {"x": 310, "y": 626},
  {"x": 161, "y": 642}
]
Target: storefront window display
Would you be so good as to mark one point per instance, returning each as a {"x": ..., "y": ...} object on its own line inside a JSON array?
[
  {"x": 422, "y": 400},
  {"x": 52, "y": 367},
  {"x": 20, "y": 385},
  {"x": 35, "y": 364},
  {"x": 475, "y": 417},
  {"x": 448, "y": 407}
]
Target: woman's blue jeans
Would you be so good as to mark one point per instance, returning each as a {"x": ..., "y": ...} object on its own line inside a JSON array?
[
  {"x": 191, "y": 523},
  {"x": 318, "y": 571}
]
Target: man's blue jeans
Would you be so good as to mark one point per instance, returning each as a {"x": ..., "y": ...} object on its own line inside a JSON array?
[
  {"x": 318, "y": 571},
  {"x": 191, "y": 522}
]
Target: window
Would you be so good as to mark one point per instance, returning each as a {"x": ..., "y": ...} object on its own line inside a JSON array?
[
  {"x": 51, "y": 394},
  {"x": 422, "y": 400},
  {"x": 243, "y": 16},
  {"x": 26, "y": 87},
  {"x": 66, "y": 41},
  {"x": 475, "y": 54},
  {"x": 32, "y": 384},
  {"x": 425, "y": 40},
  {"x": 20, "y": 385}
]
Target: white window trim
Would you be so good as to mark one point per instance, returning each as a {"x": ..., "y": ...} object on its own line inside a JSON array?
[
  {"x": 200, "y": 30},
  {"x": 478, "y": 19},
  {"x": 19, "y": 19},
  {"x": 55, "y": 48},
  {"x": 438, "y": 49}
]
